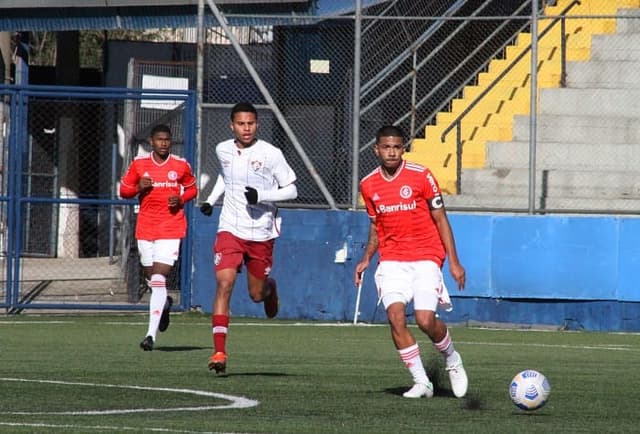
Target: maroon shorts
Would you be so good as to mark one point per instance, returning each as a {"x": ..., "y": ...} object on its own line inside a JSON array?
[{"x": 230, "y": 251}]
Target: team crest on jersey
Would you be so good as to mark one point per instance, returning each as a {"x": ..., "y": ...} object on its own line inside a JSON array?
[
  {"x": 217, "y": 258},
  {"x": 256, "y": 165},
  {"x": 405, "y": 192},
  {"x": 172, "y": 175}
]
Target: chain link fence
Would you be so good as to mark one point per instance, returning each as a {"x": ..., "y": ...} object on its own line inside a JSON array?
[
  {"x": 307, "y": 71},
  {"x": 457, "y": 77}
]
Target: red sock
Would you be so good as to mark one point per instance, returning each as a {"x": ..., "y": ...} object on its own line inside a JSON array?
[{"x": 220, "y": 325}]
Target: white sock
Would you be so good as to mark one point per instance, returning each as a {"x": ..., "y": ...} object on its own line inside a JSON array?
[
  {"x": 411, "y": 358},
  {"x": 453, "y": 359},
  {"x": 156, "y": 303}
]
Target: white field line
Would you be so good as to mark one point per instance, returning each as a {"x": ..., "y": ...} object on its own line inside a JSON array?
[
  {"x": 236, "y": 401},
  {"x": 66, "y": 427},
  {"x": 561, "y": 346},
  {"x": 624, "y": 347},
  {"x": 9, "y": 322},
  {"x": 314, "y": 324}
]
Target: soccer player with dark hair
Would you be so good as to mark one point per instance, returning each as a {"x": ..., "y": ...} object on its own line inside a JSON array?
[
  {"x": 410, "y": 232},
  {"x": 254, "y": 175},
  {"x": 163, "y": 183}
]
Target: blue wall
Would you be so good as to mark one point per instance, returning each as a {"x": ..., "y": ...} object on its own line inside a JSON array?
[{"x": 567, "y": 271}]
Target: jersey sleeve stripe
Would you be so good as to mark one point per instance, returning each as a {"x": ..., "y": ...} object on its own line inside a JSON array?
[{"x": 415, "y": 167}]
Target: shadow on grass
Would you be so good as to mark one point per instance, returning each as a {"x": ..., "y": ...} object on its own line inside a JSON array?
[
  {"x": 179, "y": 348},
  {"x": 440, "y": 393},
  {"x": 531, "y": 413},
  {"x": 254, "y": 374}
]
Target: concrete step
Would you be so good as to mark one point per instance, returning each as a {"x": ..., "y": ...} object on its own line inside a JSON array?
[
  {"x": 579, "y": 129},
  {"x": 590, "y": 102},
  {"x": 619, "y": 46},
  {"x": 93, "y": 292},
  {"x": 631, "y": 21},
  {"x": 604, "y": 74},
  {"x": 67, "y": 268},
  {"x": 521, "y": 203},
  {"x": 565, "y": 156},
  {"x": 553, "y": 183}
]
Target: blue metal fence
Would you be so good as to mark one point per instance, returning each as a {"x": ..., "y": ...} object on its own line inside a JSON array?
[{"x": 67, "y": 236}]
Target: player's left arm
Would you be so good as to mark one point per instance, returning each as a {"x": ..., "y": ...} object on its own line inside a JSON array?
[
  {"x": 284, "y": 176},
  {"x": 441, "y": 220},
  {"x": 288, "y": 192},
  {"x": 188, "y": 193},
  {"x": 189, "y": 190}
]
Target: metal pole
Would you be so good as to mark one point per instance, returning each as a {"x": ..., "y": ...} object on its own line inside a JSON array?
[
  {"x": 199, "y": 89},
  {"x": 414, "y": 92},
  {"x": 533, "y": 106},
  {"x": 355, "y": 170},
  {"x": 276, "y": 111}
]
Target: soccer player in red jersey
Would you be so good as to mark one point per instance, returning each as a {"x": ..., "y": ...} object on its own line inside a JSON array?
[
  {"x": 254, "y": 175},
  {"x": 411, "y": 233},
  {"x": 163, "y": 183}
]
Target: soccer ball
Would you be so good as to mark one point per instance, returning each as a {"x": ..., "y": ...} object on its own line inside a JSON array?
[{"x": 529, "y": 390}]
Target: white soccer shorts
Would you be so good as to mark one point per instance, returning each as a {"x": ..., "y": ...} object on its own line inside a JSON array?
[
  {"x": 162, "y": 251},
  {"x": 420, "y": 281}
]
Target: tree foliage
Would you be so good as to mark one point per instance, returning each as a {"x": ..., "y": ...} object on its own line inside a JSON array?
[{"x": 43, "y": 48}]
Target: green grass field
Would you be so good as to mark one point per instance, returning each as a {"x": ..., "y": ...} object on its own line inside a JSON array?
[{"x": 87, "y": 374}]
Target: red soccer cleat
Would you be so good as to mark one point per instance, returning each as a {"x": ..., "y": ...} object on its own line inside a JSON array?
[{"x": 218, "y": 362}]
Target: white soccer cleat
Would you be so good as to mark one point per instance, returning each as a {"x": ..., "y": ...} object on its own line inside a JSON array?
[
  {"x": 458, "y": 379},
  {"x": 419, "y": 390}
]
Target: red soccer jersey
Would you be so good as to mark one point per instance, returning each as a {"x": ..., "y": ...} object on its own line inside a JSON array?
[
  {"x": 406, "y": 231},
  {"x": 155, "y": 220}
]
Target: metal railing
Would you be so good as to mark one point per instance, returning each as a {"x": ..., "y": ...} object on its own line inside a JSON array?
[{"x": 457, "y": 122}]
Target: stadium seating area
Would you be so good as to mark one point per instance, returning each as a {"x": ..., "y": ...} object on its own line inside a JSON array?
[{"x": 587, "y": 116}]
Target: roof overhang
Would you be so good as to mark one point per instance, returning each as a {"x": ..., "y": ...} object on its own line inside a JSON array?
[{"x": 129, "y": 3}]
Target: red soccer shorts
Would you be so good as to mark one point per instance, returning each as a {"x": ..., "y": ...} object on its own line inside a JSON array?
[{"x": 230, "y": 251}]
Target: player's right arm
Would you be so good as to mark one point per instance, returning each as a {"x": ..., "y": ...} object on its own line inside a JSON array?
[
  {"x": 132, "y": 183},
  {"x": 369, "y": 251},
  {"x": 207, "y": 206}
]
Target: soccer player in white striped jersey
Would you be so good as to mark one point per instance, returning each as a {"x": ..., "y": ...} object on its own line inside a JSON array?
[
  {"x": 410, "y": 232},
  {"x": 254, "y": 175}
]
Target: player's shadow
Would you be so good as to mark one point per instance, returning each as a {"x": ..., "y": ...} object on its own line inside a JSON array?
[
  {"x": 533, "y": 413},
  {"x": 179, "y": 348},
  {"x": 398, "y": 391},
  {"x": 254, "y": 374}
]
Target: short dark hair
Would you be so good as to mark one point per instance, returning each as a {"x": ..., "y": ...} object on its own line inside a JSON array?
[
  {"x": 389, "y": 131},
  {"x": 243, "y": 107},
  {"x": 160, "y": 128}
]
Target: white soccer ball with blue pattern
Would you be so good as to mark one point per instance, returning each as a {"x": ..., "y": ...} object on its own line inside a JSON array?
[{"x": 529, "y": 390}]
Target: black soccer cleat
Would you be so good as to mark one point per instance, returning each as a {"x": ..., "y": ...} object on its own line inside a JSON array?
[
  {"x": 147, "y": 344},
  {"x": 165, "y": 319}
]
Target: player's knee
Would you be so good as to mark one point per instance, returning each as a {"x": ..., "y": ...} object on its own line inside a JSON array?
[
  {"x": 256, "y": 292},
  {"x": 224, "y": 287},
  {"x": 397, "y": 319},
  {"x": 426, "y": 321},
  {"x": 256, "y": 298}
]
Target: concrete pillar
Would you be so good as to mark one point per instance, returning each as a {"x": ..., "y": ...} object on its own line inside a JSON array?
[
  {"x": 5, "y": 53},
  {"x": 68, "y": 58},
  {"x": 69, "y": 214}
]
